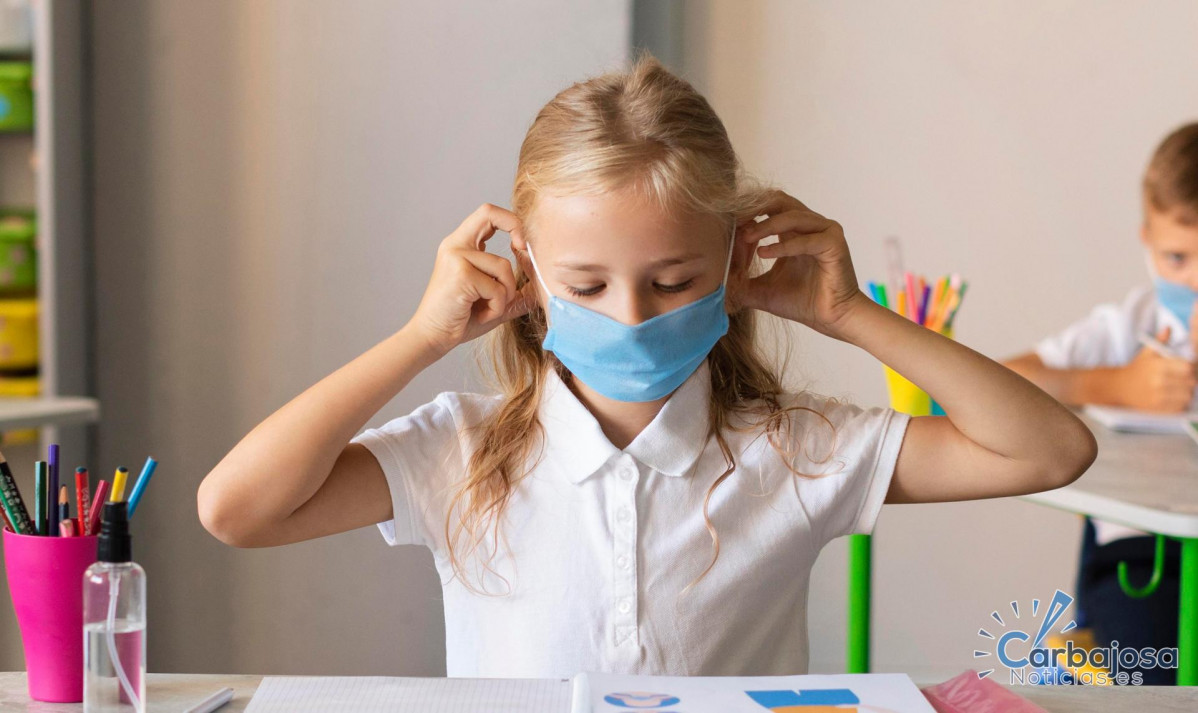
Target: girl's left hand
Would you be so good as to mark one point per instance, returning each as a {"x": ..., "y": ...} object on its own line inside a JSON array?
[{"x": 812, "y": 279}]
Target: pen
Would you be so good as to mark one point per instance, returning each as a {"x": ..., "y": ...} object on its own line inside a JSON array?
[
  {"x": 211, "y": 703},
  {"x": 93, "y": 517},
  {"x": 81, "y": 499},
  {"x": 41, "y": 498},
  {"x": 15, "y": 513},
  {"x": 118, "y": 484},
  {"x": 1159, "y": 348},
  {"x": 147, "y": 472},
  {"x": 52, "y": 521}
]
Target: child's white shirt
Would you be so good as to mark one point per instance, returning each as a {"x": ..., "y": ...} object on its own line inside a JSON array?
[
  {"x": 603, "y": 540},
  {"x": 1109, "y": 336}
]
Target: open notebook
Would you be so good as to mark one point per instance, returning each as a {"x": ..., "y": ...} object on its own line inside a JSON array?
[
  {"x": 1132, "y": 421},
  {"x": 591, "y": 693}
]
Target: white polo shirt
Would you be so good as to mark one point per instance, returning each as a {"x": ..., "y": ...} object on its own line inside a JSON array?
[
  {"x": 603, "y": 540},
  {"x": 1109, "y": 337}
]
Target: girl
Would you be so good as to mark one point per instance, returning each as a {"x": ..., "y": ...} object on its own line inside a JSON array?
[{"x": 641, "y": 495}]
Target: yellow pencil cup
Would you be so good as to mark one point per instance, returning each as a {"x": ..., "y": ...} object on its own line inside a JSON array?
[{"x": 908, "y": 398}]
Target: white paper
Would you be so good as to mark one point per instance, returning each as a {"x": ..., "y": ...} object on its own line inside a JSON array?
[
  {"x": 868, "y": 692},
  {"x": 1132, "y": 421},
  {"x": 383, "y": 694}
]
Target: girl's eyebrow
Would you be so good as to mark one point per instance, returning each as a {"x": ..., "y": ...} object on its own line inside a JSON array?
[{"x": 591, "y": 267}]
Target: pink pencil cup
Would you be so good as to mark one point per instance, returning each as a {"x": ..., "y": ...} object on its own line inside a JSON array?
[{"x": 45, "y": 579}]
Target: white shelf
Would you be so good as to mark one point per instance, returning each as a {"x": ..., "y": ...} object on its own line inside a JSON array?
[{"x": 18, "y": 413}]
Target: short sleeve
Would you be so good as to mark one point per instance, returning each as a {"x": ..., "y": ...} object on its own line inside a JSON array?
[
  {"x": 420, "y": 455},
  {"x": 1107, "y": 336},
  {"x": 852, "y": 454}
]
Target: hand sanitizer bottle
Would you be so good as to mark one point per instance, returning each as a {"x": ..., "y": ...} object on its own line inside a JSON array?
[{"x": 114, "y": 621}]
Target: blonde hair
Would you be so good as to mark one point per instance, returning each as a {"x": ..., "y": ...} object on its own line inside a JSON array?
[{"x": 648, "y": 132}]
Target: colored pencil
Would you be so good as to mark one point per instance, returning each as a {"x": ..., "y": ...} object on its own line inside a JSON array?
[
  {"x": 53, "y": 489},
  {"x": 118, "y": 484},
  {"x": 93, "y": 517},
  {"x": 82, "y": 500},
  {"x": 139, "y": 488},
  {"x": 41, "y": 497},
  {"x": 16, "y": 515}
]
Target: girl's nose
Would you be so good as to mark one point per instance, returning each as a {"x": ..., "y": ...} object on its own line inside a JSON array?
[{"x": 636, "y": 308}]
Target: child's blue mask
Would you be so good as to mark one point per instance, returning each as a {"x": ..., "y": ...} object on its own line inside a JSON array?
[
  {"x": 1173, "y": 296},
  {"x": 634, "y": 362},
  {"x": 1177, "y": 298}
]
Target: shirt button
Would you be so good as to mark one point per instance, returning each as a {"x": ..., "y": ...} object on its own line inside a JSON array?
[
  {"x": 622, "y": 515},
  {"x": 622, "y": 561},
  {"x": 626, "y": 473},
  {"x": 625, "y": 606}
]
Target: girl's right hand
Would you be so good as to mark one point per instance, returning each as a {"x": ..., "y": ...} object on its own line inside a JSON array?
[{"x": 472, "y": 291}]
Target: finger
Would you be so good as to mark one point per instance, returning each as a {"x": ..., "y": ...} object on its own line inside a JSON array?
[
  {"x": 1163, "y": 335},
  {"x": 479, "y": 226},
  {"x": 494, "y": 266},
  {"x": 481, "y": 288},
  {"x": 792, "y": 221},
  {"x": 795, "y": 244},
  {"x": 526, "y": 298}
]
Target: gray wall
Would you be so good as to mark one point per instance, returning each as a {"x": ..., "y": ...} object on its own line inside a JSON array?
[
  {"x": 272, "y": 179},
  {"x": 1001, "y": 140}
]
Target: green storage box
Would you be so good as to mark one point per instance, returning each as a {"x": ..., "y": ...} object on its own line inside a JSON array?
[
  {"x": 18, "y": 256},
  {"x": 16, "y": 96}
]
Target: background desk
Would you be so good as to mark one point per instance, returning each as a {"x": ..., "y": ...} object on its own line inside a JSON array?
[
  {"x": 1148, "y": 482},
  {"x": 173, "y": 692}
]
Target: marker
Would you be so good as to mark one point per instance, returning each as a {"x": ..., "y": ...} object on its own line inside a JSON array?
[
  {"x": 118, "y": 484},
  {"x": 64, "y": 506},
  {"x": 11, "y": 504},
  {"x": 93, "y": 517},
  {"x": 81, "y": 500},
  {"x": 147, "y": 472},
  {"x": 52, "y": 486},
  {"x": 41, "y": 498},
  {"x": 211, "y": 703}
]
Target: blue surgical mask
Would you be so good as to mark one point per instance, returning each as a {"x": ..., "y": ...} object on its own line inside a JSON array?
[
  {"x": 634, "y": 362},
  {"x": 1177, "y": 298},
  {"x": 1173, "y": 296}
]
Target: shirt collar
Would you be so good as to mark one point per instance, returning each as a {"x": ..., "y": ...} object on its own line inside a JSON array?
[{"x": 576, "y": 445}]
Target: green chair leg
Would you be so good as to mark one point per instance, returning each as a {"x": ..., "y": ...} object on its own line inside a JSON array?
[{"x": 1158, "y": 568}]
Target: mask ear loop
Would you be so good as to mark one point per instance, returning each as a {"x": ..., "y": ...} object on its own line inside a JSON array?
[
  {"x": 728, "y": 262},
  {"x": 537, "y": 271}
]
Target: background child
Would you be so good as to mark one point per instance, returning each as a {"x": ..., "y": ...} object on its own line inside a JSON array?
[
  {"x": 1100, "y": 360},
  {"x": 641, "y": 494}
]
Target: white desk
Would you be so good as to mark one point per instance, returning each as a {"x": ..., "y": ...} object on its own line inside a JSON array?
[
  {"x": 1148, "y": 482},
  {"x": 173, "y": 692}
]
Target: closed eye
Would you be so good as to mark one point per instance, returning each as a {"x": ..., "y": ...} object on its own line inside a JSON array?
[
  {"x": 584, "y": 293},
  {"x": 675, "y": 288}
]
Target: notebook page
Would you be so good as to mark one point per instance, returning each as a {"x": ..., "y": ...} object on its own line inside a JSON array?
[
  {"x": 385, "y": 694},
  {"x": 864, "y": 692},
  {"x": 1132, "y": 421}
]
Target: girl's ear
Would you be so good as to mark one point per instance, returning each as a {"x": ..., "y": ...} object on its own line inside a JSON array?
[{"x": 738, "y": 273}]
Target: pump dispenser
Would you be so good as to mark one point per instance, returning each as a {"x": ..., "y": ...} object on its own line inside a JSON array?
[{"x": 114, "y": 621}]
